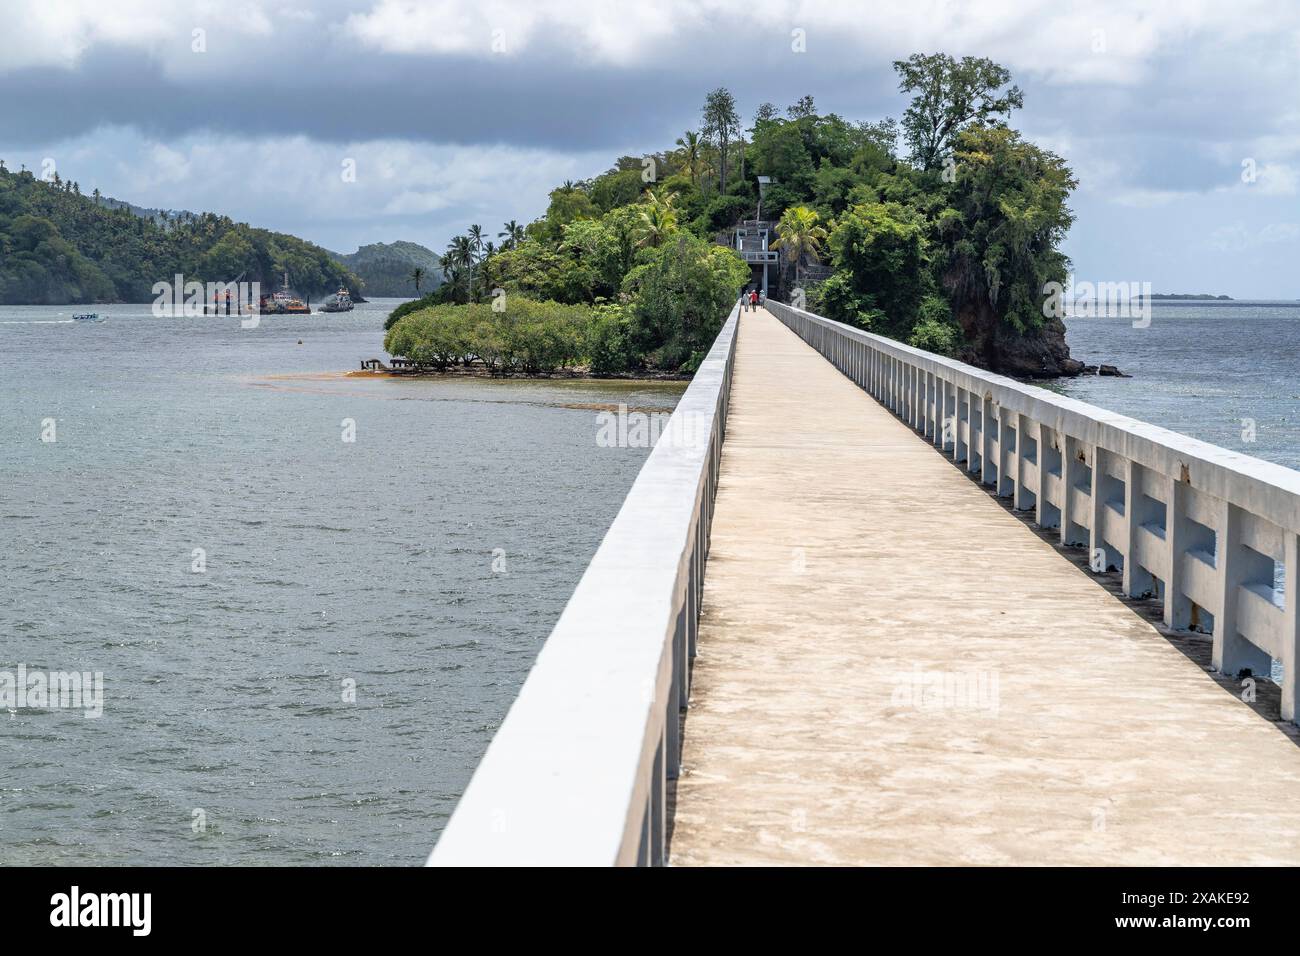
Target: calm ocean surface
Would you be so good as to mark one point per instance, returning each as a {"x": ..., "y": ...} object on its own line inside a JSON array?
[
  {"x": 326, "y": 562},
  {"x": 1204, "y": 369}
]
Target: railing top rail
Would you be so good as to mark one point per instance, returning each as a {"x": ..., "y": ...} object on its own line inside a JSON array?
[
  {"x": 566, "y": 777},
  {"x": 1263, "y": 488}
]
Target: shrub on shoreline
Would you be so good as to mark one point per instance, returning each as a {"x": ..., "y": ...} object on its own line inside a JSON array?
[{"x": 523, "y": 337}]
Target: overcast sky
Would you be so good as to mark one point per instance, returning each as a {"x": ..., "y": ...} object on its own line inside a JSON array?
[{"x": 458, "y": 112}]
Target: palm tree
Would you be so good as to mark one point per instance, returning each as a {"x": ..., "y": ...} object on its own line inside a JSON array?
[
  {"x": 512, "y": 233},
  {"x": 458, "y": 260},
  {"x": 476, "y": 238},
  {"x": 800, "y": 236},
  {"x": 658, "y": 217},
  {"x": 460, "y": 252},
  {"x": 691, "y": 145},
  {"x": 417, "y": 276}
]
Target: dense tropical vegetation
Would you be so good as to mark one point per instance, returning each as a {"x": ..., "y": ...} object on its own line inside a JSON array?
[
  {"x": 58, "y": 246},
  {"x": 947, "y": 247}
]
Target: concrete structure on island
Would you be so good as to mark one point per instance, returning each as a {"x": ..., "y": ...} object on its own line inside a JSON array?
[{"x": 1056, "y": 652}]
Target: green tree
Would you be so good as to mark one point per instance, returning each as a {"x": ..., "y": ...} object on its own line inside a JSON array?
[
  {"x": 475, "y": 234},
  {"x": 720, "y": 123},
  {"x": 691, "y": 145},
  {"x": 804, "y": 107},
  {"x": 881, "y": 248},
  {"x": 999, "y": 240},
  {"x": 800, "y": 236},
  {"x": 950, "y": 95},
  {"x": 658, "y": 218},
  {"x": 680, "y": 295},
  {"x": 511, "y": 235}
]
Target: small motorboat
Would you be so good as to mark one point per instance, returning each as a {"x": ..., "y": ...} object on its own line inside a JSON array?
[{"x": 87, "y": 317}]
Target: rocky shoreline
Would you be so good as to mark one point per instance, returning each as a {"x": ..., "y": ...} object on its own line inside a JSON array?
[{"x": 1042, "y": 353}]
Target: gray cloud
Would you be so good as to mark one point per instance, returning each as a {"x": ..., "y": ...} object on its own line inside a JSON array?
[{"x": 1161, "y": 121}]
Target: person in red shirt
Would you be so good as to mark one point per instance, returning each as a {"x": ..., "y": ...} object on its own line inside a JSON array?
[{"x": 753, "y": 300}]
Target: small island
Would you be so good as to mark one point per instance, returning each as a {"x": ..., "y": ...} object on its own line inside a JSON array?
[
  {"x": 632, "y": 272},
  {"x": 1189, "y": 297}
]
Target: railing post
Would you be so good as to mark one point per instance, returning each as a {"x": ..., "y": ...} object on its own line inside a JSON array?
[
  {"x": 1232, "y": 652},
  {"x": 1008, "y": 455},
  {"x": 1096, "y": 515},
  {"x": 1132, "y": 523},
  {"x": 913, "y": 396},
  {"x": 1020, "y": 492},
  {"x": 961, "y": 429},
  {"x": 676, "y": 699},
  {"x": 927, "y": 404},
  {"x": 1069, "y": 467},
  {"x": 941, "y": 410},
  {"x": 1043, "y": 438},
  {"x": 658, "y": 810},
  {"x": 1178, "y": 612},
  {"x": 918, "y": 403},
  {"x": 909, "y": 395},
  {"x": 988, "y": 464},
  {"x": 900, "y": 388},
  {"x": 931, "y": 404},
  {"x": 1291, "y": 625}
]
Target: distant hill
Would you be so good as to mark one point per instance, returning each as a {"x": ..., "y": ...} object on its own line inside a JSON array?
[
  {"x": 59, "y": 247},
  {"x": 386, "y": 268},
  {"x": 160, "y": 216},
  {"x": 1193, "y": 296}
]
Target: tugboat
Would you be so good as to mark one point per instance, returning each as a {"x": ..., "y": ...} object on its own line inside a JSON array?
[
  {"x": 284, "y": 302},
  {"x": 341, "y": 301}
]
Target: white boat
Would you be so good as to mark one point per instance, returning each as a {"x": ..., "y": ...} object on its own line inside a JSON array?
[{"x": 87, "y": 317}]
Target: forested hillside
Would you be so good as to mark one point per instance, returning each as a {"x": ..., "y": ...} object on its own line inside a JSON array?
[
  {"x": 389, "y": 269},
  {"x": 59, "y": 247}
]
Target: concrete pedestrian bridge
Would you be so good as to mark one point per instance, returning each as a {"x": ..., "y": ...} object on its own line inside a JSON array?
[{"x": 869, "y": 605}]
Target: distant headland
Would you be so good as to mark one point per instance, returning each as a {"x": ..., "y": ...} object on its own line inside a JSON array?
[{"x": 1193, "y": 296}]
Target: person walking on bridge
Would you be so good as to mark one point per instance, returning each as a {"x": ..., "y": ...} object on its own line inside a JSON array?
[{"x": 753, "y": 301}]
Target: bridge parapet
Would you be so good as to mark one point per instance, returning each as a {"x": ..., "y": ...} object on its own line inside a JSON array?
[
  {"x": 577, "y": 773},
  {"x": 1207, "y": 530}
]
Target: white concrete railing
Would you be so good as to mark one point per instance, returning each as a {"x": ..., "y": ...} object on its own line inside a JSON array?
[
  {"x": 577, "y": 773},
  {"x": 1203, "y": 528}
]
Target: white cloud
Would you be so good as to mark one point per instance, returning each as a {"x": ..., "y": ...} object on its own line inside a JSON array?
[
  {"x": 1146, "y": 198},
  {"x": 1237, "y": 236},
  {"x": 609, "y": 33},
  {"x": 1278, "y": 179},
  {"x": 59, "y": 34}
]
